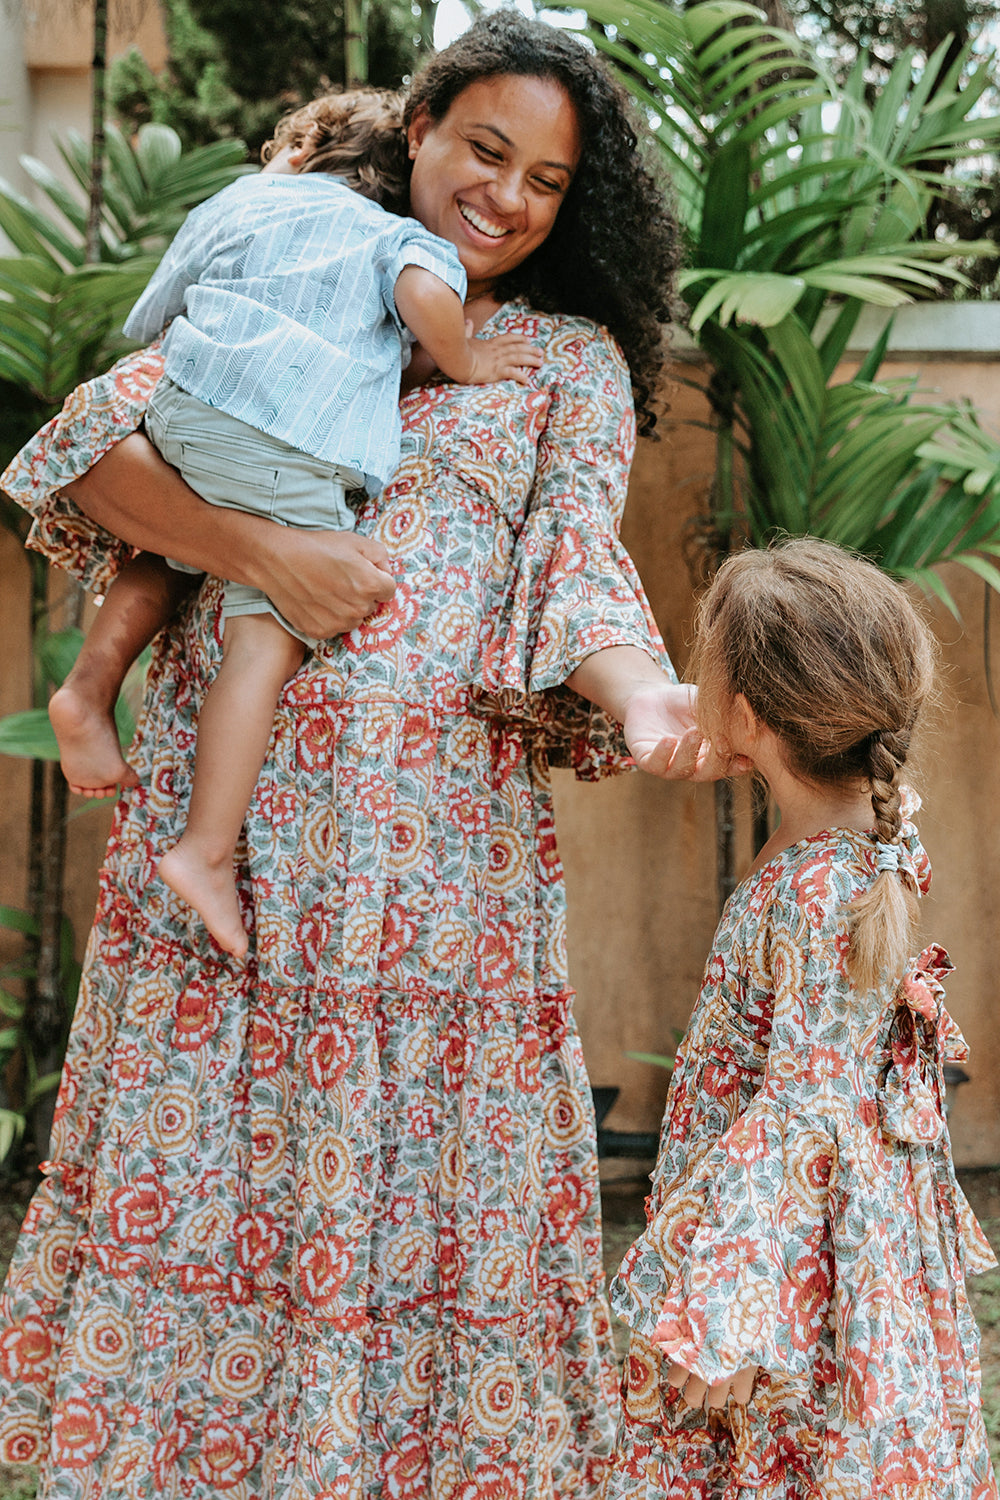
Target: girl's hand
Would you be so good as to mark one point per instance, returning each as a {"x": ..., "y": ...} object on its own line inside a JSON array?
[{"x": 698, "y": 1392}]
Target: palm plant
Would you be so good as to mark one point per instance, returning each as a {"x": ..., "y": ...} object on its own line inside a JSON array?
[
  {"x": 60, "y": 323},
  {"x": 799, "y": 204},
  {"x": 60, "y": 318}
]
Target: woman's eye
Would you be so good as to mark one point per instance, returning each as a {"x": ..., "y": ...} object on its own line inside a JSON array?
[
  {"x": 486, "y": 151},
  {"x": 547, "y": 186}
]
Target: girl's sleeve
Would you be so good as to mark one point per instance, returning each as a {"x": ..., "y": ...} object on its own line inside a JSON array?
[
  {"x": 782, "y": 1248},
  {"x": 574, "y": 588},
  {"x": 94, "y": 417}
]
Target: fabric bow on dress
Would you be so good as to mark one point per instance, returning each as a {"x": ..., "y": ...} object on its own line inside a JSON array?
[{"x": 922, "y": 1037}]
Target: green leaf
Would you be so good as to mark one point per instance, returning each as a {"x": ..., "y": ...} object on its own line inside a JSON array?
[
  {"x": 16, "y": 920},
  {"x": 28, "y": 734},
  {"x": 58, "y": 652},
  {"x": 657, "y": 1059},
  {"x": 12, "y": 1126},
  {"x": 724, "y": 214},
  {"x": 12, "y": 1006},
  {"x": 41, "y": 1086}
]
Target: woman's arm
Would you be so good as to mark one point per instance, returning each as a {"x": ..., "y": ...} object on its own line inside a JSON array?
[
  {"x": 324, "y": 582},
  {"x": 656, "y": 714}
]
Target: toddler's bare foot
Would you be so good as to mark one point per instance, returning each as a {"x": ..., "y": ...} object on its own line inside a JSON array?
[
  {"x": 89, "y": 752},
  {"x": 211, "y": 890}
]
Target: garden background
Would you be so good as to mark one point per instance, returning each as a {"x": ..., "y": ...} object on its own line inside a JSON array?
[{"x": 810, "y": 221}]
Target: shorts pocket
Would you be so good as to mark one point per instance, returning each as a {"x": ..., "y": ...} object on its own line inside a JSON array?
[{"x": 224, "y": 480}]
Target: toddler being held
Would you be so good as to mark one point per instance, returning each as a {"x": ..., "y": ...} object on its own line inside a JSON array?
[{"x": 291, "y": 299}]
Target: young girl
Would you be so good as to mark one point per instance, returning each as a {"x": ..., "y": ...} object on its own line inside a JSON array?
[
  {"x": 799, "y": 1322},
  {"x": 286, "y": 295}
]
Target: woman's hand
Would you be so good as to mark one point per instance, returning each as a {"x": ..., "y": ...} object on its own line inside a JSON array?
[
  {"x": 662, "y": 735},
  {"x": 697, "y": 1392},
  {"x": 656, "y": 714},
  {"x": 324, "y": 582},
  {"x": 327, "y": 582}
]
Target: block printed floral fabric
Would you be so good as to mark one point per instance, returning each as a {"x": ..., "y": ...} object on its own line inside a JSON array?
[
  {"x": 805, "y": 1218},
  {"x": 326, "y": 1225}
]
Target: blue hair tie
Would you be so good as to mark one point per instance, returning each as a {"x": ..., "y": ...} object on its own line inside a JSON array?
[{"x": 887, "y": 859}]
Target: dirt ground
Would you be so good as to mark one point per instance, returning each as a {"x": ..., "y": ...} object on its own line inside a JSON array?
[{"x": 623, "y": 1192}]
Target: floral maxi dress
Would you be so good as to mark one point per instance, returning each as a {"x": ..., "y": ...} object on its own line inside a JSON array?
[
  {"x": 805, "y": 1218},
  {"x": 326, "y": 1225}
]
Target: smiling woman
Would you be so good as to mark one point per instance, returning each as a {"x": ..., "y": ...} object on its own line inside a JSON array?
[
  {"x": 330, "y": 1215},
  {"x": 477, "y": 178}
]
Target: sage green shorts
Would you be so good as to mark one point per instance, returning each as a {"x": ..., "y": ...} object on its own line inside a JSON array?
[{"x": 236, "y": 467}]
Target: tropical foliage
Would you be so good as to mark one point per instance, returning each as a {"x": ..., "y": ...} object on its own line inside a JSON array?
[
  {"x": 60, "y": 323},
  {"x": 60, "y": 320},
  {"x": 801, "y": 202},
  {"x": 233, "y": 69}
]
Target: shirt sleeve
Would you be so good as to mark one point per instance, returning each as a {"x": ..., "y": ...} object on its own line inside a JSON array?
[
  {"x": 574, "y": 589},
  {"x": 411, "y": 245},
  {"x": 191, "y": 250},
  {"x": 94, "y": 417}
]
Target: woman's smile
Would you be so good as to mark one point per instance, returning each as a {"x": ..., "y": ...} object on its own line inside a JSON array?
[{"x": 491, "y": 175}]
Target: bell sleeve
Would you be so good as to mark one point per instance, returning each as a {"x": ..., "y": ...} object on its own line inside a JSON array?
[
  {"x": 94, "y": 417},
  {"x": 778, "y": 1250},
  {"x": 573, "y": 588}
]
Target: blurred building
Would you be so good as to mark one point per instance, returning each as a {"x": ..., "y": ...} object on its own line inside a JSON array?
[{"x": 45, "y": 65}]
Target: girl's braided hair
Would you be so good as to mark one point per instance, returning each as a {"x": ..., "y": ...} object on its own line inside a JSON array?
[{"x": 830, "y": 654}]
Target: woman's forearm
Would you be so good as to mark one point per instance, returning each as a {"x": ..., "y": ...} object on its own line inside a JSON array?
[
  {"x": 610, "y": 677},
  {"x": 137, "y": 496},
  {"x": 657, "y": 715},
  {"x": 324, "y": 582}
]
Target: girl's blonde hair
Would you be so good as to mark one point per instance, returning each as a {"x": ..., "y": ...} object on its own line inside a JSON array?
[
  {"x": 356, "y": 135},
  {"x": 831, "y": 655}
]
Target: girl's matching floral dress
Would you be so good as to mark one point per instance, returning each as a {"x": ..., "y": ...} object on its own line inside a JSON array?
[
  {"x": 326, "y": 1225},
  {"x": 805, "y": 1218}
]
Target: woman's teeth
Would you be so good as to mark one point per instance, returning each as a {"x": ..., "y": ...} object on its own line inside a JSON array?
[{"x": 485, "y": 226}]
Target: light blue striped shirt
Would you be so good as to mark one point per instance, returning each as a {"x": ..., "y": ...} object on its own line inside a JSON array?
[{"x": 281, "y": 293}]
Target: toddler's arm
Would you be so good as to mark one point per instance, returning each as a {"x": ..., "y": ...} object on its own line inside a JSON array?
[{"x": 434, "y": 315}]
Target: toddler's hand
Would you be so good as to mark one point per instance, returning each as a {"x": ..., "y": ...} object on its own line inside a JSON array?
[{"x": 509, "y": 356}]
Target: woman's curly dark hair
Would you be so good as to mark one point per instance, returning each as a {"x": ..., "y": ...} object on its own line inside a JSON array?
[{"x": 614, "y": 248}]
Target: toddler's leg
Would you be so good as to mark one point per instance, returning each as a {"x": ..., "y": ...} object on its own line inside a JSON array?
[
  {"x": 138, "y": 604},
  {"x": 234, "y": 729}
]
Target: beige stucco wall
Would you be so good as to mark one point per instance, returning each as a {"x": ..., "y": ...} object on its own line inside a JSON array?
[
  {"x": 45, "y": 58},
  {"x": 640, "y": 855}
]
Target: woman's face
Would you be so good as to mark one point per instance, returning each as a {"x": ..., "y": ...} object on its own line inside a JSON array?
[{"x": 490, "y": 176}]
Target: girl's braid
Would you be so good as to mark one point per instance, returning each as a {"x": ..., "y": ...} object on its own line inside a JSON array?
[{"x": 887, "y": 756}]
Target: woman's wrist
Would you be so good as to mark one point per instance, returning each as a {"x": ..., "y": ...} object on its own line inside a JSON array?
[{"x": 615, "y": 675}]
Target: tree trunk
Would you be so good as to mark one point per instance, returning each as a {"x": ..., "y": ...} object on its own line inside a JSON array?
[
  {"x": 355, "y": 43},
  {"x": 92, "y": 240}
]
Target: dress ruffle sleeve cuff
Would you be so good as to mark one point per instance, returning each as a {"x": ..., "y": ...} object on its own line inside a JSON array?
[
  {"x": 94, "y": 417},
  {"x": 574, "y": 590},
  {"x": 797, "y": 1270},
  {"x": 730, "y": 1274}
]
